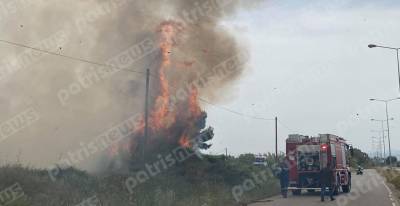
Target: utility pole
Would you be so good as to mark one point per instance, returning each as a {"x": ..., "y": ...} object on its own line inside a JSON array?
[
  {"x": 226, "y": 153},
  {"x": 377, "y": 145},
  {"x": 383, "y": 134},
  {"x": 398, "y": 65},
  {"x": 386, "y": 101},
  {"x": 388, "y": 135},
  {"x": 146, "y": 115},
  {"x": 276, "y": 138},
  {"x": 383, "y": 140}
]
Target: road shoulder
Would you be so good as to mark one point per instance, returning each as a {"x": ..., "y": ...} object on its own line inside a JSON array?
[{"x": 394, "y": 193}]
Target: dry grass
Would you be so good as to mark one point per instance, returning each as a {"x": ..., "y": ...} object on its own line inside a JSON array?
[{"x": 392, "y": 176}]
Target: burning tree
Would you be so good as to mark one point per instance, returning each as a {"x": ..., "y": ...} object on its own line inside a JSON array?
[{"x": 173, "y": 121}]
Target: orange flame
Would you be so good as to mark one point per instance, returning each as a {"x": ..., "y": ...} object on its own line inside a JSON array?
[
  {"x": 194, "y": 107},
  {"x": 161, "y": 116},
  {"x": 184, "y": 142}
]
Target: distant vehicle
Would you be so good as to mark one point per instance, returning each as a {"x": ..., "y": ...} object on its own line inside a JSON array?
[
  {"x": 308, "y": 155},
  {"x": 360, "y": 170},
  {"x": 260, "y": 160}
]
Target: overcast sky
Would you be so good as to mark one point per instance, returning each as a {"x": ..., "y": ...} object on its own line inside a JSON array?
[{"x": 311, "y": 67}]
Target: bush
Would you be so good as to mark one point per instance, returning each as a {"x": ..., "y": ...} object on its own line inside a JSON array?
[{"x": 194, "y": 182}]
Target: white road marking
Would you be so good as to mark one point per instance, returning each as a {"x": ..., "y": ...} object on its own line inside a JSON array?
[{"x": 390, "y": 193}]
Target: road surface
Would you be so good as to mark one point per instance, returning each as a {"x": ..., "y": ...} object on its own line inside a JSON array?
[{"x": 367, "y": 190}]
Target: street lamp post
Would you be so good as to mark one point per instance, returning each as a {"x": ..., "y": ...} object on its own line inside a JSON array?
[
  {"x": 397, "y": 55},
  {"x": 386, "y": 101}
]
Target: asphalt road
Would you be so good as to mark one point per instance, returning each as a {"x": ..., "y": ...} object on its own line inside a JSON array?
[{"x": 367, "y": 190}]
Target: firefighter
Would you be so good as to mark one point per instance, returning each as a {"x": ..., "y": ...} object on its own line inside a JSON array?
[
  {"x": 326, "y": 180},
  {"x": 283, "y": 175}
]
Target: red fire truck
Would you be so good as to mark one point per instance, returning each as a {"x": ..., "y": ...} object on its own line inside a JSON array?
[{"x": 308, "y": 155}]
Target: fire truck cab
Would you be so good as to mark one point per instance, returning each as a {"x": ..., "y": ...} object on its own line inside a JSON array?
[{"x": 308, "y": 155}]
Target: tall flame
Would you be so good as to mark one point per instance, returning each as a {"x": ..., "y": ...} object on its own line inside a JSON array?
[
  {"x": 161, "y": 117},
  {"x": 194, "y": 106}
]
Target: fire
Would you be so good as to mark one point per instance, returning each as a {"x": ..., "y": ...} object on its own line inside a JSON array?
[
  {"x": 194, "y": 107},
  {"x": 179, "y": 122},
  {"x": 184, "y": 142},
  {"x": 161, "y": 116}
]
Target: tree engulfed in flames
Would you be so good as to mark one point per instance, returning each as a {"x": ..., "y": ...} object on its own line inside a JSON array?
[{"x": 174, "y": 123}]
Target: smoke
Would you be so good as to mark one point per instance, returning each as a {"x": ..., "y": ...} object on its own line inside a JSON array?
[
  {"x": 202, "y": 45},
  {"x": 72, "y": 111}
]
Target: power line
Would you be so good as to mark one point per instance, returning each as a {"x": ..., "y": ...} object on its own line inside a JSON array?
[
  {"x": 223, "y": 108},
  {"x": 284, "y": 125},
  {"x": 230, "y": 110},
  {"x": 128, "y": 70},
  {"x": 69, "y": 57},
  {"x": 235, "y": 112}
]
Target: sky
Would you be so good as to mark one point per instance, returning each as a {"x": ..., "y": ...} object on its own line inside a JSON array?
[{"x": 310, "y": 66}]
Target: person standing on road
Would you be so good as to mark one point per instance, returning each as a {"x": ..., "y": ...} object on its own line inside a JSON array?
[
  {"x": 326, "y": 180},
  {"x": 284, "y": 177}
]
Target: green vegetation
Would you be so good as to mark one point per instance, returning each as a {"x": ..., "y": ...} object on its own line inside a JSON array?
[
  {"x": 391, "y": 160},
  {"x": 361, "y": 158},
  {"x": 211, "y": 181},
  {"x": 208, "y": 181}
]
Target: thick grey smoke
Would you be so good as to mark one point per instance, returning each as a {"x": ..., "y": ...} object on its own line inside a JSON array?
[{"x": 70, "y": 110}]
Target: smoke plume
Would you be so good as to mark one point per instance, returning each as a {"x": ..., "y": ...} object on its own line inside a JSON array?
[{"x": 74, "y": 101}]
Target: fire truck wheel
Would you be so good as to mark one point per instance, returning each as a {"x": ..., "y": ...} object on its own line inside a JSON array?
[{"x": 296, "y": 192}]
